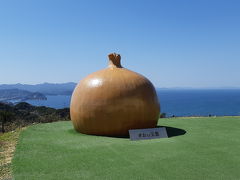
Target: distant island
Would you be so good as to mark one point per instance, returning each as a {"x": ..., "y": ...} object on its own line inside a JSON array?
[
  {"x": 44, "y": 88},
  {"x": 15, "y": 93},
  {"x": 7, "y": 95}
]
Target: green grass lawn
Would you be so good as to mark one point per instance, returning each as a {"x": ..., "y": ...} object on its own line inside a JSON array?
[{"x": 210, "y": 149}]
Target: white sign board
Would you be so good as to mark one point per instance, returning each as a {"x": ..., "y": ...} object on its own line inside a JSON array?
[{"x": 151, "y": 133}]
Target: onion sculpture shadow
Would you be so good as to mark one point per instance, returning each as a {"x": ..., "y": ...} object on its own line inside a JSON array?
[{"x": 111, "y": 101}]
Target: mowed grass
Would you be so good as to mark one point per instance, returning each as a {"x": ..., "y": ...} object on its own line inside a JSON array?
[{"x": 210, "y": 149}]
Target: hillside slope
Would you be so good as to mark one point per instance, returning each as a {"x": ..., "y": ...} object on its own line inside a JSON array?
[
  {"x": 20, "y": 95},
  {"x": 44, "y": 88}
]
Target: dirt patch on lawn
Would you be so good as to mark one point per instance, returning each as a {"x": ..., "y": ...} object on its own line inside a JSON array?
[{"x": 8, "y": 143}]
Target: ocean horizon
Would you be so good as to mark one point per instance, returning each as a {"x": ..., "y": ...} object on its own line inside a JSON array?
[{"x": 177, "y": 102}]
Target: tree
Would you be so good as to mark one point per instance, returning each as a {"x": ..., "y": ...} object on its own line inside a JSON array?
[
  {"x": 162, "y": 115},
  {"x": 5, "y": 116}
]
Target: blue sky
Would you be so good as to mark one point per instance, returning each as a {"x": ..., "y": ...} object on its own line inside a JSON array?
[{"x": 173, "y": 43}]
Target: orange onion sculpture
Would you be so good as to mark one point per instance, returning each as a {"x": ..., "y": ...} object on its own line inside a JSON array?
[{"x": 111, "y": 101}]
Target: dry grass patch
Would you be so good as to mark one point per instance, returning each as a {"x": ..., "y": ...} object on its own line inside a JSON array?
[{"x": 7, "y": 147}]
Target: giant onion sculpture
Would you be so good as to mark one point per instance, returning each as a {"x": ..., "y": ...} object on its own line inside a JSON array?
[{"x": 113, "y": 100}]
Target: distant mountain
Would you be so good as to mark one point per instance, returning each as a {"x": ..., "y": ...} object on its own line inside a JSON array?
[
  {"x": 45, "y": 88},
  {"x": 19, "y": 95}
]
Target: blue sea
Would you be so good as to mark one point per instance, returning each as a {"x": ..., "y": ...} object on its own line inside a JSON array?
[{"x": 178, "y": 102}]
